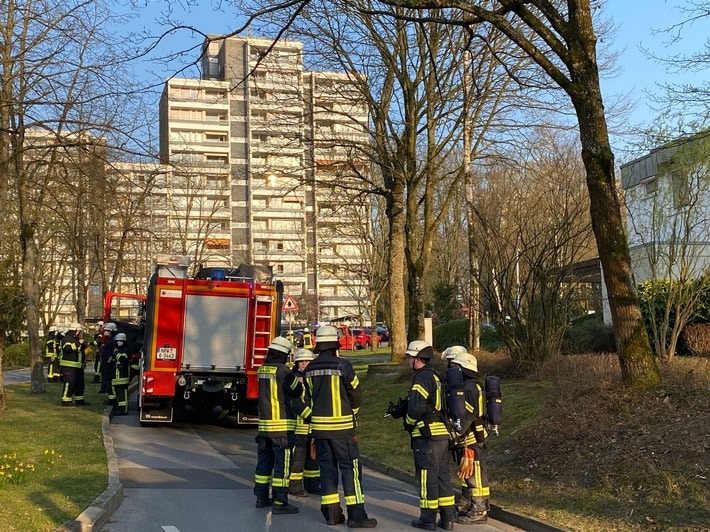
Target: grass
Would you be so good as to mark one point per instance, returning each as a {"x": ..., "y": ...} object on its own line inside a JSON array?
[
  {"x": 576, "y": 449},
  {"x": 64, "y": 447}
]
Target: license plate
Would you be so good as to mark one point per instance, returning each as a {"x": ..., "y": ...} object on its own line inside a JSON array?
[{"x": 167, "y": 353}]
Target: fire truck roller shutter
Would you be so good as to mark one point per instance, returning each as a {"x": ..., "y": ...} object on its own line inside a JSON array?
[{"x": 215, "y": 332}]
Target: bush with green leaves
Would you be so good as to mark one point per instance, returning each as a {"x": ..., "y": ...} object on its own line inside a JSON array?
[
  {"x": 455, "y": 332},
  {"x": 16, "y": 355},
  {"x": 588, "y": 335}
]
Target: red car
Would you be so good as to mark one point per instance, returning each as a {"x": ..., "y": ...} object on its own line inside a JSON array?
[{"x": 363, "y": 337}]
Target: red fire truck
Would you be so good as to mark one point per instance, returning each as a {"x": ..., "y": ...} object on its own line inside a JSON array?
[{"x": 205, "y": 337}]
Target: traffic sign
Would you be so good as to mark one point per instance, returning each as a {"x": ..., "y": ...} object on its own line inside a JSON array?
[{"x": 289, "y": 304}]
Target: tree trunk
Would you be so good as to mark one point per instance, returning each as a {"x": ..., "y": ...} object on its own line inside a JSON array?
[
  {"x": 638, "y": 367},
  {"x": 396, "y": 217}
]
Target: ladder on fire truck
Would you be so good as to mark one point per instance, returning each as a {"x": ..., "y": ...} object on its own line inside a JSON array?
[{"x": 263, "y": 316}]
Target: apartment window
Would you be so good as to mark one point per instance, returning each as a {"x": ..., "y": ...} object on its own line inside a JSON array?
[
  {"x": 280, "y": 268},
  {"x": 215, "y": 116},
  {"x": 279, "y": 246},
  {"x": 650, "y": 186},
  {"x": 681, "y": 192}
]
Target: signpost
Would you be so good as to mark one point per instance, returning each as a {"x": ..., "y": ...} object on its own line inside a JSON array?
[{"x": 289, "y": 306}]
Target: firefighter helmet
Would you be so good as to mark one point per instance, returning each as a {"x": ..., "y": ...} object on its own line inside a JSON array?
[
  {"x": 281, "y": 345},
  {"x": 110, "y": 326},
  {"x": 303, "y": 354},
  {"x": 466, "y": 361},
  {"x": 76, "y": 327},
  {"x": 121, "y": 337},
  {"x": 450, "y": 352},
  {"x": 420, "y": 349},
  {"x": 327, "y": 333},
  {"x": 52, "y": 329}
]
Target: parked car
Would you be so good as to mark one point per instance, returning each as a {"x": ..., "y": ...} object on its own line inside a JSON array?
[
  {"x": 384, "y": 333},
  {"x": 363, "y": 337}
]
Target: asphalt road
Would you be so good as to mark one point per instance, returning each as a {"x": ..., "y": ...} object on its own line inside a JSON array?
[{"x": 196, "y": 475}]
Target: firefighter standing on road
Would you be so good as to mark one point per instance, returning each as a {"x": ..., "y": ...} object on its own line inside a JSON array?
[
  {"x": 335, "y": 401},
  {"x": 475, "y": 490},
  {"x": 72, "y": 365},
  {"x": 426, "y": 423},
  {"x": 305, "y": 475},
  {"x": 119, "y": 383},
  {"x": 277, "y": 422}
]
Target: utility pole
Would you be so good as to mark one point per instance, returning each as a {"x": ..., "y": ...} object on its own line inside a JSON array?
[{"x": 474, "y": 316}]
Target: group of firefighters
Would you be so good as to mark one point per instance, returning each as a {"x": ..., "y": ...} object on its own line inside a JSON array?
[
  {"x": 67, "y": 352},
  {"x": 307, "y": 434}
]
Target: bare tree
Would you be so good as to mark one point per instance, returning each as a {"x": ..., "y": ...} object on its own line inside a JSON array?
[
  {"x": 60, "y": 68},
  {"x": 564, "y": 45},
  {"x": 533, "y": 218}
]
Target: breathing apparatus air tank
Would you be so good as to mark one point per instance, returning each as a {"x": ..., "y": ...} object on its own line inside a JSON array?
[
  {"x": 494, "y": 402},
  {"x": 455, "y": 399}
]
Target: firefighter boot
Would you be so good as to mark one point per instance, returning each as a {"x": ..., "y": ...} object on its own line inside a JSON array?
[
  {"x": 283, "y": 508},
  {"x": 427, "y": 519},
  {"x": 448, "y": 516},
  {"x": 333, "y": 514},
  {"x": 477, "y": 513},
  {"x": 463, "y": 501},
  {"x": 295, "y": 488},
  {"x": 357, "y": 517},
  {"x": 263, "y": 503}
]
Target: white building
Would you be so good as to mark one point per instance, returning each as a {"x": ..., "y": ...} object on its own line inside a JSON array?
[{"x": 668, "y": 202}]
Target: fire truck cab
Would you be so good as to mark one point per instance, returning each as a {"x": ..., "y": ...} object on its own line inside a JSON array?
[{"x": 205, "y": 337}]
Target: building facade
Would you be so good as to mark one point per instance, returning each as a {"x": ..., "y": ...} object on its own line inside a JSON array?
[{"x": 275, "y": 148}]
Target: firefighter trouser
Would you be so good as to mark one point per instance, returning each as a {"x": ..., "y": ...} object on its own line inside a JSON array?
[
  {"x": 119, "y": 390},
  {"x": 304, "y": 469},
  {"x": 476, "y": 486},
  {"x": 53, "y": 369},
  {"x": 108, "y": 370},
  {"x": 431, "y": 463},
  {"x": 73, "y": 385},
  {"x": 97, "y": 368},
  {"x": 273, "y": 461},
  {"x": 341, "y": 454}
]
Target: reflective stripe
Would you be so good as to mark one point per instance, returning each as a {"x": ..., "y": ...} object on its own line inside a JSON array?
[
  {"x": 333, "y": 498},
  {"x": 323, "y": 372},
  {"x": 420, "y": 390},
  {"x": 262, "y": 479}
]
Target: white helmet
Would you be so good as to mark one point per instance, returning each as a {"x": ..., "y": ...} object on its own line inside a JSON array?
[
  {"x": 281, "y": 344},
  {"x": 110, "y": 326},
  {"x": 303, "y": 354},
  {"x": 121, "y": 337},
  {"x": 466, "y": 361},
  {"x": 420, "y": 349},
  {"x": 327, "y": 333},
  {"x": 76, "y": 327},
  {"x": 450, "y": 352},
  {"x": 52, "y": 329}
]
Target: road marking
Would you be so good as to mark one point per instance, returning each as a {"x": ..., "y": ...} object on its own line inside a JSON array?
[{"x": 170, "y": 528}]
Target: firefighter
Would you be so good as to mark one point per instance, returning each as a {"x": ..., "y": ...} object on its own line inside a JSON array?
[
  {"x": 304, "y": 476},
  {"x": 475, "y": 490},
  {"x": 119, "y": 382},
  {"x": 426, "y": 422},
  {"x": 51, "y": 354},
  {"x": 72, "y": 365},
  {"x": 307, "y": 339},
  {"x": 335, "y": 400},
  {"x": 96, "y": 343},
  {"x": 277, "y": 422},
  {"x": 107, "y": 367}
]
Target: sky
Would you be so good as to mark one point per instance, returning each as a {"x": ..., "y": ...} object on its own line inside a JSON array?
[{"x": 639, "y": 24}]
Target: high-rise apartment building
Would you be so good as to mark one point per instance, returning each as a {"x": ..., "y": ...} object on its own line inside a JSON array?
[{"x": 273, "y": 149}]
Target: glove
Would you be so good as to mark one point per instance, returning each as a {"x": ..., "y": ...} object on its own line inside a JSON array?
[
  {"x": 409, "y": 428},
  {"x": 467, "y": 464}
]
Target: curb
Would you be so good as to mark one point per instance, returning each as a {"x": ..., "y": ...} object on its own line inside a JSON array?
[{"x": 103, "y": 506}]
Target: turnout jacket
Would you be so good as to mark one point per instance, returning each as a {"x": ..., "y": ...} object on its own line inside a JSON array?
[
  {"x": 425, "y": 418},
  {"x": 335, "y": 396},
  {"x": 72, "y": 353},
  {"x": 277, "y": 384},
  {"x": 473, "y": 424},
  {"x": 301, "y": 407}
]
